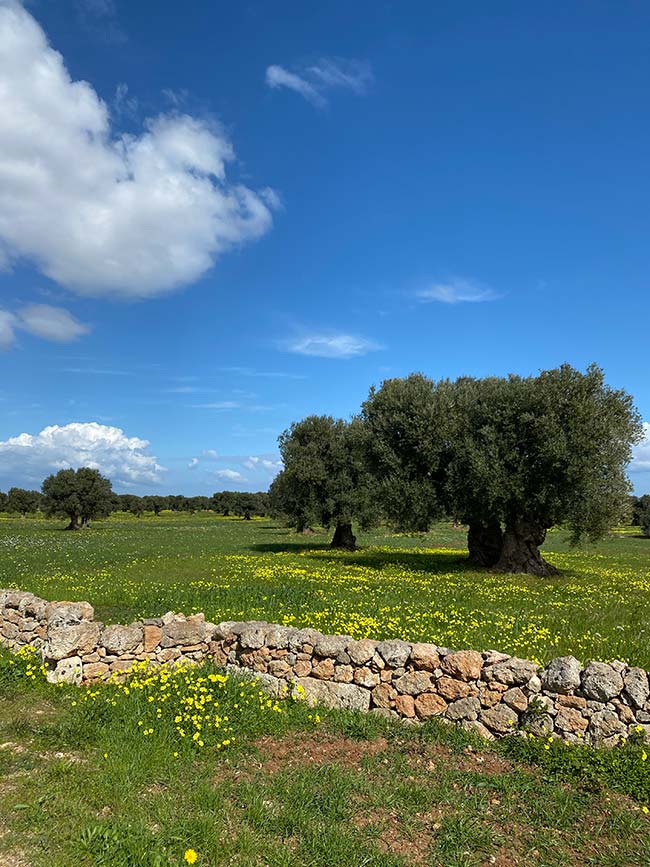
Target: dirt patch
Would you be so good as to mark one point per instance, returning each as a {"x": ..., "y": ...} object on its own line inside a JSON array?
[
  {"x": 391, "y": 838},
  {"x": 303, "y": 749},
  {"x": 470, "y": 760},
  {"x": 13, "y": 859}
]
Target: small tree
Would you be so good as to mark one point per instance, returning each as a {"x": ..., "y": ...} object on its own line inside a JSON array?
[
  {"x": 22, "y": 501},
  {"x": 325, "y": 477},
  {"x": 3, "y": 501},
  {"x": 81, "y": 495}
]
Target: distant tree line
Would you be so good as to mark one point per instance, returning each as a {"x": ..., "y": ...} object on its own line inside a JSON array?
[
  {"x": 83, "y": 495},
  {"x": 508, "y": 457}
]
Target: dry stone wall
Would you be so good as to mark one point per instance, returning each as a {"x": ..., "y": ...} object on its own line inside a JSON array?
[{"x": 491, "y": 693}]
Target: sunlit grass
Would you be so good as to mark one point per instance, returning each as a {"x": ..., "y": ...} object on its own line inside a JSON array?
[{"x": 414, "y": 587}]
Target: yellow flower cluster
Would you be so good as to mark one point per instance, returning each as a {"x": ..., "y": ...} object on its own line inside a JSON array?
[{"x": 187, "y": 697}]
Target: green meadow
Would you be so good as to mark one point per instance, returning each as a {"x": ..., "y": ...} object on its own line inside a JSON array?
[{"x": 414, "y": 587}]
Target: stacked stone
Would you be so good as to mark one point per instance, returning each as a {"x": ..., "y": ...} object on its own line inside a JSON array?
[
  {"x": 491, "y": 693},
  {"x": 22, "y": 619}
]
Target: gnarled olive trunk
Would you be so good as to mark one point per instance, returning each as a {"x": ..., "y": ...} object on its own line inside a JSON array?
[
  {"x": 73, "y": 525},
  {"x": 344, "y": 538},
  {"x": 520, "y": 552},
  {"x": 485, "y": 541}
]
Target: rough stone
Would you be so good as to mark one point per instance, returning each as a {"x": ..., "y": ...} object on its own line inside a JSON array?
[
  {"x": 68, "y": 613},
  {"x": 251, "y": 639},
  {"x": 425, "y": 656},
  {"x": 464, "y": 708},
  {"x": 569, "y": 719},
  {"x": 73, "y": 640},
  {"x": 405, "y": 705},
  {"x": 179, "y": 632},
  {"x": 383, "y": 694},
  {"x": 562, "y": 675},
  {"x": 576, "y": 701},
  {"x": 332, "y": 645},
  {"x": 413, "y": 682},
  {"x": 323, "y": 669},
  {"x": 337, "y": 695},
  {"x": 601, "y": 682},
  {"x": 95, "y": 670},
  {"x": 394, "y": 653},
  {"x": 605, "y": 724},
  {"x": 278, "y": 668},
  {"x": 540, "y": 724},
  {"x": 344, "y": 674},
  {"x": 69, "y": 670},
  {"x": 454, "y": 689},
  {"x": 636, "y": 687},
  {"x": 429, "y": 704},
  {"x": 152, "y": 636},
  {"x": 513, "y": 671},
  {"x": 365, "y": 677},
  {"x": 500, "y": 719},
  {"x": 362, "y": 651},
  {"x": 122, "y": 639},
  {"x": 515, "y": 699},
  {"x": 465, "y": 664}
]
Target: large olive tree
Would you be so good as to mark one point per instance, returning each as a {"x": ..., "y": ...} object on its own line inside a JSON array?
[{"x": 510, "y": 457}]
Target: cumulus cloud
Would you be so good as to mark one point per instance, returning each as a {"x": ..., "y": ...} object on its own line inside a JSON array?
[
  {"x": 314, "y": 82},
  {"x": 80, "y": 444},
  {"x": 456, "y": 292},
  {"x": 331, "y": 345},
  {"x": 230, "y": 475},
  {"x": 641, "y": 453},
  {"x": 99, "y": 211}
]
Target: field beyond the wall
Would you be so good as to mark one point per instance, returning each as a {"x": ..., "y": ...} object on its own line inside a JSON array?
[{"x": 418, "y": 588}]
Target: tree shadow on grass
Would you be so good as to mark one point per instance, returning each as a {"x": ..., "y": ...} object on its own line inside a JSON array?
[{"x": 413, "y": 561}]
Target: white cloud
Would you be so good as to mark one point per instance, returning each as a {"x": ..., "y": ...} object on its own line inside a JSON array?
[
  {"x": 331, "y": 345},
  {"x": 99, "y": 211},
  {"x": 211, "y": 454},
  {"x": 641, "y": 453},
  {"x": 330, "y": 73},
  {"x": 80, "y": 444},
  {"x": 277, "y": 76},
  {"x": 51, "y": 323},
  {"x": 457, "y": 291},
  {"x": 231, "y": 475},
  {"x": 7, "y": 325},
  {"x": 193, "y": 462},
  {"x": 40, "y": 320}
]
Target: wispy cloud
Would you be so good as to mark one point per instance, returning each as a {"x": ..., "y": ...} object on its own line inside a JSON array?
[
  {"x": 40, "y": 320},
  {"x": 457, "y": 292},
  {"x": 331, "y": 345},
  {"x": 315, "y": 81},
  {"x": 95, "y": 371},
  {"x": 267, "y": 374},
  {"x": 220, "y": 404},
  {"x": 51, "y": 323}
]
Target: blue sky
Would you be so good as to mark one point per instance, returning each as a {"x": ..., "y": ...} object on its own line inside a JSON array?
[{"x": 219, "y": 218}]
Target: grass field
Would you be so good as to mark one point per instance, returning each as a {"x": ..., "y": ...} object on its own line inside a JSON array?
[
  {"x": 417, "y": 588},
  {"x": 104, "y": 776}
]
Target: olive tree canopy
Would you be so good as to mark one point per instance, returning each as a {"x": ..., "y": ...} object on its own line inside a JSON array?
[{"x": 81, "y": 495}]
